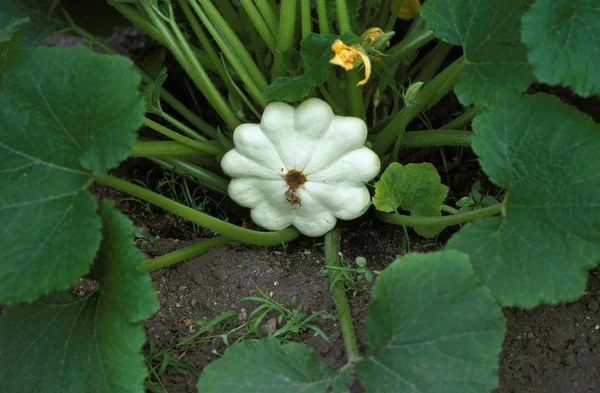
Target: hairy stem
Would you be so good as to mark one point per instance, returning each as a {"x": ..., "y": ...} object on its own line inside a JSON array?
[
  {"x": 226, "y": 229},
  {"x": 285, "y": 38},
  {"x": 414, "y": 139},
  {"x": 408, "y": 46},
  {"x": 332, "y": 259},
  {"x": 205, "y": 177},
  {"x": 455, "y": 219},
  {"x": 162, "y": 148},
  {"x": 206, "y": 147},
  {"x": 183, "y": 254},
  {"x": 431, "y": 93}
]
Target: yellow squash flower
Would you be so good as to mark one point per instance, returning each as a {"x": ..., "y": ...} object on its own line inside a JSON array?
[
  {"x": 409, "y": 9},
  {"x": 346, "y": 56}
]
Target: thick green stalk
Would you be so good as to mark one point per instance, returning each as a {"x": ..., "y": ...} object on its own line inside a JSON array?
[
  {"x": 306, "y": 17},
  {"x": 413, "y": 139},
  {"x": 226, "y": 229},
  {"x": 235, "y": 52},
  {"x": 435, "y": 61},
  {"x": 161, "y": 148},
  {"x": 205, "y": 177},
  {"x": 463, "y": 119},
  {"x": 322, "y": 13},
  {"x": 232, "y": 40},
  {"x": 356, "y": 104},
  {"x": 408, "y": 46},
  {"x": 285, "y": 38},
  {"x": 206, "y": 147},
  {"x": 429, "y": 95},
  {"x": 343, "y": 16},
  {"x": 393, "y": 16},
  {"x": 184, "y": 254},
  {"x": 190, "y": 63},
  {"x": 137, "y": 19},
  {"x": 332, "y": 259},
  {"x": 269, "y": 14},
  {"x": 455, "y": 219},
  {"x": 185, "y": 129},
  {"x": 204, "y": 41},
  {"x": 260, "y": 24}
]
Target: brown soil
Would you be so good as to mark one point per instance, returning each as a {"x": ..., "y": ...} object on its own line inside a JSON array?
[{"x": 547, "y": 349}]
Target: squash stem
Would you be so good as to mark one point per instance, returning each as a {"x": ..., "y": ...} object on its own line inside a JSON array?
[
  {"x": 415, "y": 139},
  {"x": 332, "y": 260},
  {"x": 285, "y": 38},
  {"x": 184, "y": 254},
  {"x": 431, "y": 93},
  {"x": 226, "y": 229},
  {"x": 455, "y": 219}
]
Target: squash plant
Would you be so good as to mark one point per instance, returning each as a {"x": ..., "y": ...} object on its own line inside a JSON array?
[{"x": 287, "y": 82}]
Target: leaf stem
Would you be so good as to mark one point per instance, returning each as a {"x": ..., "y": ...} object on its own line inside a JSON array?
[
  {"x": 226, "y": 229},
  {"x": 455, "y": 219},
  {"x": 204, "y": 176},
  {"x": 260, "y": 24},
  {"x": 424, "y": 138},
  {"x": 184, "y": 254},
  {"x": 408, "y": 46},
  {"x": 332, "y": 259},
  {"x": 161, "y": 148},
  {"x": 268, "y": 13},
  {"x": 462, "y": 120},
  {"x": 206, "y": 147},
  {"x": 322, "y": 13},
  {"x": 285, "y": 41},
  {"x": 431, "y": 93}
]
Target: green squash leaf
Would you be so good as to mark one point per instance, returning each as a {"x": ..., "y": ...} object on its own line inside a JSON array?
[
  {"x": 563, "y": 39},
  {"x": 414, "y": 187},
  {"x": 316, "y": 52},
  {"x": 64, "y": 114},
  {"x": 42, "y": 15},
  {"x": 84, "y": 344},
  {"x": 432, "y": 327},
  {"x": 267, "y": 366},
  {"x": 489, "y": 32},
  {"x": 547, "y": 156}
]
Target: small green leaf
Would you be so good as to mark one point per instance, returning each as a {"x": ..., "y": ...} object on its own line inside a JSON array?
[
  {"x": 432, "y": 327},
  {"x": 563, "y": 39},
  {"x": 465, "y": 202},
  {"x": 547, "y": 156},
  {"x": 489, "y": 32},
  {"x": 86, "y": 344},
  {"x": 316, "y": 52},
  {"x": 267, "y": 366},
  {"x": 414, "y": 187},
  {"x": 64, "y": 114},
  {"x": 361, "y": 261}
]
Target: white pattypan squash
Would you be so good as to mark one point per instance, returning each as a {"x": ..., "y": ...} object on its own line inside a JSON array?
[{"x": 304, "y": 167}]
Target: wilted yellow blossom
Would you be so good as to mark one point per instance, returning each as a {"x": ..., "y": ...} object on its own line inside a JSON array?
[
  {"x": 409, "y": 9},
  {"x": 346, "y": 56},
  {"x": 371, "y": 34}
]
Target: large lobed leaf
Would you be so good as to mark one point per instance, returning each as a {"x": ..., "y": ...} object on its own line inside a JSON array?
[
  {"x": 414, "y": 187},
  {"x": 432, "y": 327},
  {"x": 40, "y": 13},
  {"x": 65, "y": 114},
  {"x": 489, "y": 32},
  {"x": 87, "y": 344},
  {"x": 563, "y": 38},
  {"x": 267, "y": 366},
  {"x": 547, "y": 156}
]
